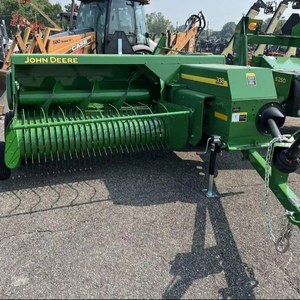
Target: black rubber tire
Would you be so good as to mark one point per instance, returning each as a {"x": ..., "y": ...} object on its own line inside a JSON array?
[
  {"x": 8, "y": 117},
  {"x": 4, "y": 171}
]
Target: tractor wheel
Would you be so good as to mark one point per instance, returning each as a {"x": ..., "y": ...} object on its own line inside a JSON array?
[
  {"x": 4, "y": 171},
  {"x": 8, "y": 117}
]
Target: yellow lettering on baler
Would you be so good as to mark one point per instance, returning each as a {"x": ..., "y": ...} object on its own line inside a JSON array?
[
  {"x": 33, "y": 60},
  {"x": 53, "y": 60},
  {"x": 63, "y": 60},
  {"x": 219, "y": 81}
]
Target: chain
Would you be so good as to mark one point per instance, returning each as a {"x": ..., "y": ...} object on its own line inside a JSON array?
[
  {"x": 282, "y": 244},
  {"x": 267, "y": 189}
]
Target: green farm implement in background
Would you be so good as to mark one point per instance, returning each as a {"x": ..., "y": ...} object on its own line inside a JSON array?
[{"x": 286, "y": 70}]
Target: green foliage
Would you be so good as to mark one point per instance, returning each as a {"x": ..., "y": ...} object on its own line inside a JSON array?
[
  {"x": 228, "y": 30},
  {"x": 10, "y": 7},
  {"x": 278, "y": 27},
  {"x": 265, "y": 24},
  {"x": 158, "y": 24},
  {"x": 181, "y": 28},
  {"x": 68, "y": 7}
]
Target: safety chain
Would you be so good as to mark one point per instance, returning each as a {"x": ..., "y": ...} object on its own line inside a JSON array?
[{"x": 282, "y": 244}]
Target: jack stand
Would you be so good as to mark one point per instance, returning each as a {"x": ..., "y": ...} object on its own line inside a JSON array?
[{"x": 215, "y": 148}]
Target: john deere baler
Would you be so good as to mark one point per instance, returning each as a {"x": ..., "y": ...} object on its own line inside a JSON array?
[{"x": 67, "y": 107}]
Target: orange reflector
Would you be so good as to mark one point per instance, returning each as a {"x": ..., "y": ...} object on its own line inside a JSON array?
[{"x": 252, "y": 26}]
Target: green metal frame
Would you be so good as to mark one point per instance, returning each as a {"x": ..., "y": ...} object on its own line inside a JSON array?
[
  {"x": 244, "y": 36},
  {"x": 278, "y": 183}
]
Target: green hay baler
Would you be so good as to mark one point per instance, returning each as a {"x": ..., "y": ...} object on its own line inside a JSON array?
[{"x": 66, "y": 107}]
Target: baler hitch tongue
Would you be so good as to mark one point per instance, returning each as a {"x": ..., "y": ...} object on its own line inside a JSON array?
[{"x": 283, "y": 158}]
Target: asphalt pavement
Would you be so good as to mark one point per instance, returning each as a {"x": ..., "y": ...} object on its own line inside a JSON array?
[{"x": 140, "y": 227}]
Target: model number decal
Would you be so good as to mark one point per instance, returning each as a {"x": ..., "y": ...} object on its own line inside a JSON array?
[
  {"x": 280, "y": 79},
  {"x": 220, "y": 81}
]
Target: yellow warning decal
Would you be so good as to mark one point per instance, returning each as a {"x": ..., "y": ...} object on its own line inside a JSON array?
[
  {"x": 219, "y": 81},
  {"x": 221, "y": 116},
  {"x": 251, "y": 79},
  {"x": 239, "y": 117}
]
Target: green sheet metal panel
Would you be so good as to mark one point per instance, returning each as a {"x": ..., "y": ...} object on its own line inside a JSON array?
[
  {"x": 231, "y": 82},
  {"x": 163, "y": 66},
  {"x": 274, "y": 62},
  {"x": 284, "y": 70},
  {"x": 239, "y": 93}
]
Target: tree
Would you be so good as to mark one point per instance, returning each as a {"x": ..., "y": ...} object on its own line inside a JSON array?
[
  {"x": 278, "y": 27},
  {"x": 215, "y": 33},
  {"x": 265, "y": 24},
  {"x": 10, "y": 7},
  {"x": 228, "y": 30},
  {"x": 68, "y": 7},
  {"x": 181, "y": 28},
  {"x": 158, "y": 24}
]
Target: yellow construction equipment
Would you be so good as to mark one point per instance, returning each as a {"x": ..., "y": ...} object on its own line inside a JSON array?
[{"x": 186, "y": 41}]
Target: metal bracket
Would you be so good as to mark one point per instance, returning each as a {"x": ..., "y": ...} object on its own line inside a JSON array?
[{"x": 215, "y": 147}]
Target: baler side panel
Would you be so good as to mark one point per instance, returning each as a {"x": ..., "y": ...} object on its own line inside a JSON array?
[{"x": 237, "y": 94}]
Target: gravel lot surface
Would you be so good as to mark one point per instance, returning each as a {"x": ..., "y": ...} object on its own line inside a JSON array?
[{"x": 141, "y": 228}]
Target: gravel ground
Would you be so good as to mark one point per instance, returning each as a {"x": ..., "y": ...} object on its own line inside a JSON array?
[{"x": 141, "y": 228}]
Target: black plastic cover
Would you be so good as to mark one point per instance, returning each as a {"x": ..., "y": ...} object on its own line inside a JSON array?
[
  {"x": 112, "y": 47},
  {"x": 293, "y": 20}
]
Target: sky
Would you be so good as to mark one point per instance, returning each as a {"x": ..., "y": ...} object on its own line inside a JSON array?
[{"x": 216, "y": 12}]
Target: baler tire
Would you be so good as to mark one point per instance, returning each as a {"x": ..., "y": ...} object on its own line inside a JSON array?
[
  {"x": 8, "y": 117},
  {"x": 5, "y": 172}
]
